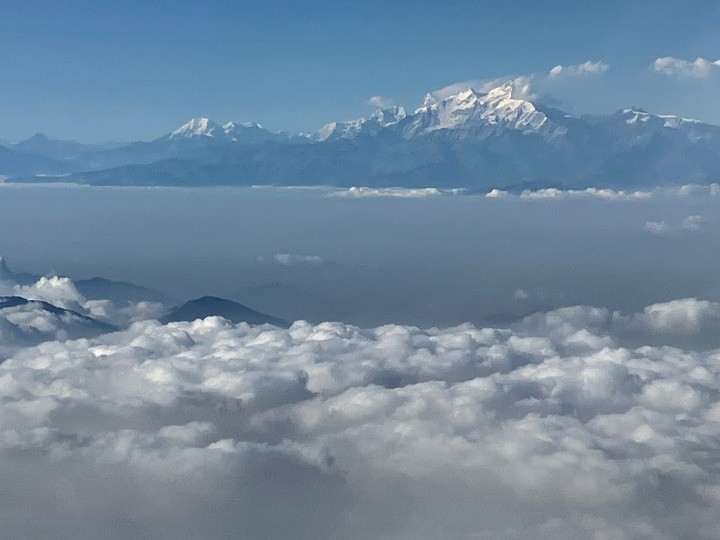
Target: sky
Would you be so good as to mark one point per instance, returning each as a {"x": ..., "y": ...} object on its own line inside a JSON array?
[{"x": 107, "y": 71}]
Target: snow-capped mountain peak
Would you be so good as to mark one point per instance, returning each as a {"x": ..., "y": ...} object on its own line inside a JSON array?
[
  {"x": 466, "y": 113},
  {"x": 196, "y": 127},
  {"x": 428, "y": 100},
  {"x": 234, "y": 126},
  {"x": 504, "y": 91},
  {"x": 469, "y": 95},
  {"x": 479, "y": 113},
  {"x": 638, "y": 116},
  {"x": 242, "y": 132},
  {"x": 205, "y": 130},
  {"x": 379, "y": 120},
  {"x": 389, "y": 116},
  {"x": 340, "y": 130}
]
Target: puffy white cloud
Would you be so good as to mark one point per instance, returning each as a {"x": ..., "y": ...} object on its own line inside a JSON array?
[
  {"x": 656, "y": 227},
  {"x": 59, "y": 291},
  {"x": 579, "y": 422},
  {"x": 578, "y": 70},
  {"x": 380, "y": 102},
  {"x": 288, "y": 259},
  {"x": 699, "y": 68},
  {"x": 521, "y": 294},
  {"x": 712, "y": 190},
  {"x": 690, "y": 223},
  {"x": 496, "y": 193}
]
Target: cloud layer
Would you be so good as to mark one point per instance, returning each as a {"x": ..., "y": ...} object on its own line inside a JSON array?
[
  {"x": 561, "y": 194},
  {"x": 398, "y": 192},
  {"x": 579, "y": 422}
]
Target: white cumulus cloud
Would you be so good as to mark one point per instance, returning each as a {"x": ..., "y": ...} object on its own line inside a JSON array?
[
  {"x": 380, "y": 102},
  {"x": 699, "y": 68},
  {"x": 657, "y": 227},
  {"x": 578, "y": 70},
  {"x": 575, "y": 423},
  {"x": 690, "y": 223}
]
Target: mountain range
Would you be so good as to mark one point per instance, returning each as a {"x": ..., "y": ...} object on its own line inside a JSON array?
[
  {"x": 471, "y": 139},
  {"x": 33, "y": 320}
]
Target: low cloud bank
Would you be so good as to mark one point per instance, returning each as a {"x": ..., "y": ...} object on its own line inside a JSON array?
[
  {"x": 579, "y": 422},
  {"x": 407, "y": 193},
  {"x": 561, "y": 194}
]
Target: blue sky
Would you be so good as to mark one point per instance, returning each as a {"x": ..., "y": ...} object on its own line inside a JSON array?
[{"x": 128, "y": 70}]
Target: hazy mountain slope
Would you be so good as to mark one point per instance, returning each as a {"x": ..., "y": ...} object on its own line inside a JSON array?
[
  {"x": 20, "y": 163},
  {"x": 119, "y": 292}
]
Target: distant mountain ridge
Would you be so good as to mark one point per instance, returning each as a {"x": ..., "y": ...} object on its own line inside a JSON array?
[
  {"x": 477, "y": 140},
  {"x": 74, "y": 324},
  {"x": 120, "y": 292}
]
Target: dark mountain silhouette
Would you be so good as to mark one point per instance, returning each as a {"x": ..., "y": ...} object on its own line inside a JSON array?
[{"x": 209, "y": 306}]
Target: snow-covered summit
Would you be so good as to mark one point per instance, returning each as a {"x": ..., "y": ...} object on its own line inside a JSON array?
[
  {"x": 389, "y": 116},
  {"x": 202, "y": 128},
  {"x": 340, "y": 130},
  {"x": 474, "y": 112},
  {"x": 636, "y": 115},
  {"x": 240, "y": 132},
  {"x": 229, "y": 127},
  {"x": 466, "y": 113},
  {"x": 380, "y": 119},
  {"x": 196, "y": 127}
]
